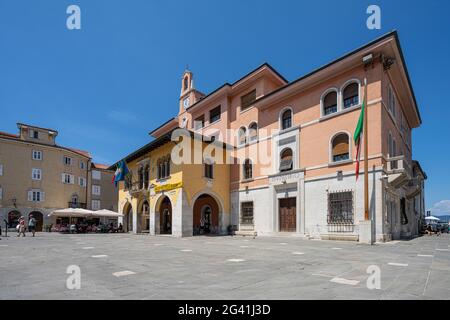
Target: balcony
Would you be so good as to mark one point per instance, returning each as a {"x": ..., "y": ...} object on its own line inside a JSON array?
[
  {"x": 399, "y": 171},
  {"x": 77, "y": 205},
  {"x": 137, "y": 187}
]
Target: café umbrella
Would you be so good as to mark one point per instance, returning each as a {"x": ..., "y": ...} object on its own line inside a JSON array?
[
  {"x": 431, "y": 218},
  {"x": 71, "y": 213},
  {"x": 106, "y": 213}
]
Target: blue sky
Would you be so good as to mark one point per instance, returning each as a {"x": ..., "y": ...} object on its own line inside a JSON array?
[{"x": 104, "y": 87}]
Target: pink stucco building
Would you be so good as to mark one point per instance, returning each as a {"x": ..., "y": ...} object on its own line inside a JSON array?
[{"x": 303, "y": 182}]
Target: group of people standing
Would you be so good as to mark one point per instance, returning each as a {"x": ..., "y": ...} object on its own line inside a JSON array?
[{"x": 21, "y": 228}]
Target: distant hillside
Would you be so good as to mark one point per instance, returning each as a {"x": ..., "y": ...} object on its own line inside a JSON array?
[{"x": 445, "y": 218}]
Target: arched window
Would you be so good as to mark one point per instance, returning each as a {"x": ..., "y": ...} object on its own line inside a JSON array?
[
  {"x": 74, "y": 201},
  {"x": 330, "y": 103},
  {"x": 208, "y": 168},
  {"x": 248, "y": 169},
  {"x": 166, "y": 166},
  {"x": 141, "y": 177},
  {"x": 128, "y": 180},
  {"x": 286, "y": 119},
  {"x": 286, "y": 163},
  {"x": 242, "y": 136},
  {"x": 253, "y": 131},
  {"x": 146, "y": 176},
  {"x": 340, "y": 148},
  {"x": 185, "y": 83},
  {"x": 351, "y": 95}
]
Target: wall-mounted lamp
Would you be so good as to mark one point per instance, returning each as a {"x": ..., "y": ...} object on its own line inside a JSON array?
[{"x": 14, "y": 201}]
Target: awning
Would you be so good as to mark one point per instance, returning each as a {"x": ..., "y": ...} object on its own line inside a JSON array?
[
  {"x": 71, "y": 212},
  {"x": 106, "y": 213}
]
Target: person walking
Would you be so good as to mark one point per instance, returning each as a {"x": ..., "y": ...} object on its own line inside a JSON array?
[
  {"x": 21, "y": 226},
  {"x": 32, "y": 224}
]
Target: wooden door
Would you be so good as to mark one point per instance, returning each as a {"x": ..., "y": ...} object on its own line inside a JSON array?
[{"x": 288, "y": 214}]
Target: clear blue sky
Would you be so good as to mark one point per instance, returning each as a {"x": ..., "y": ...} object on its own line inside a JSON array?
[{"x": 104, "y": 87}]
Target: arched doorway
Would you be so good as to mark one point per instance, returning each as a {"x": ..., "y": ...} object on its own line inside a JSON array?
[
  {"x": 165, "y": 216},
  {"x": 143, "y": 217},
  {"x": 13, "y": 219},
  {"x": 206, "y": 215},
  {"x": 128, "y": 217},
  {"x": 39, "y": 217}
]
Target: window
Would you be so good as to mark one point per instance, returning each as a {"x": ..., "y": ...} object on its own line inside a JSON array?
[
  {"x": 96, "y": 175},
  {"x": 35, "y": 196},
  {"x": 286, "y": 120},
  {"x": 253, "y": 131},
  {"x": 82, "y": 181},
  {"x": 247, "y": 213},
  {"x": 141, "y": 177},
  {"x": 95, "y": 204},
  {"x": 1, "y": 193},
  {"x": 248, "y": 100},
  {"x": 128, "y": 180},
  {"x": 242, "y": 136},
  {"x": 96, "y": 190},
  {"x": 391, "y": 101},
  {"x": 36, "y": 174},
  {"x": 67, "y": 161},
  {"x": 199, "y": 122},
  {"x": 1, "y": 169},
  {"x": 214, "y": 114},
  {"x": 340, "y": 150},
  {"x": 286, "y": 162},
  {"x": 351, "y": 95},
  {"x": 209, "y": 169},
  {"x": 146, "y": 176},
  {"x": 34, "y": 134},
  {"x": 340, "y": 207},
  {"x": 68, "y": 178},
  {"x": 163, "y": 166},
  {"x": 248, "y": 169},
  {"x": 82, "y": 165},
  {"x": 185, "y": 83},
  {"x": 330, "y": 103},
  {"x": 36, "y": 155}
]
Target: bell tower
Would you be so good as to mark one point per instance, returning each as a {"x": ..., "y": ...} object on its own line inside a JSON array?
[{"x": 187, "y": 95}]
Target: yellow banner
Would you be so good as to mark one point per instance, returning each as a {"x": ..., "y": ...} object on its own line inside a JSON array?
[{"x": 167, "y": 187}]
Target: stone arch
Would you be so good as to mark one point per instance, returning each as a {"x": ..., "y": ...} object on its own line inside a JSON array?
[
  {"x": 13, "y": 218},
  {"x": 207, "y": 209},
  {"x": 143, "y": 216},
  {"x": 39, "y": 217},
  {"x": 163, "y": 213},
  {"x": 127, "y": 217}
]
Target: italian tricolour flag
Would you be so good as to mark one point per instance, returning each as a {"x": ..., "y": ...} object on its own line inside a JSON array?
[{"x": 357, "y": 137}]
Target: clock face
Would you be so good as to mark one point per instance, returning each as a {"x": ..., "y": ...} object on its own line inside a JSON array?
[{"x": 186, "y": 102}]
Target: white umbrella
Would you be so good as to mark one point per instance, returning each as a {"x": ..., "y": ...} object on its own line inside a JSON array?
[
  {"x": 106, "y": 213},
  {"x": 71, "y": 212},
  {"x": 431, "y": 218}
]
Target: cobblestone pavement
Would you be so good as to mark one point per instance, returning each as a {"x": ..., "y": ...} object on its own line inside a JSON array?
[{"x": 126, "y": 266}]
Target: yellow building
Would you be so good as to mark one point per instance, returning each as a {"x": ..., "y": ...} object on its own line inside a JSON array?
[
  {"x": 163, "y": 195},
  {"x": 38, "y": 176}
]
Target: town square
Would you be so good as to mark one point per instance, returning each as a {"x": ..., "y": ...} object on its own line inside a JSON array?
[{"x": 224, "y": 152}]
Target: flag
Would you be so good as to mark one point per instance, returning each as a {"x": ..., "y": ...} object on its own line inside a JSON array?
[
  {"x": 121, "y": 172},
  {"x": 357, "y": 137}
]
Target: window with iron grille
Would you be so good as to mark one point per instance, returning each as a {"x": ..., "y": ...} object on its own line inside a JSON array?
[
  {"x": 340, "y": 207},
  {"x": 248, "y": 99},
  {"x": 247, "y": 213}
]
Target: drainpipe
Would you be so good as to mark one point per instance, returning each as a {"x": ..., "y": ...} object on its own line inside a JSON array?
[{"x": 88, "y": 169}]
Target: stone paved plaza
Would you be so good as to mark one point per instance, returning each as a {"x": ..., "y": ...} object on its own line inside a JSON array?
[{"x": 126, "y": 266}]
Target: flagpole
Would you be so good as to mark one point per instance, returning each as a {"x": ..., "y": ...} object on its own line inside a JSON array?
[{"x": 366, "y": 156}]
